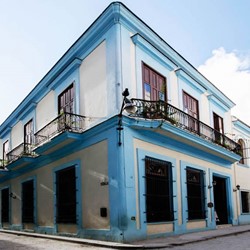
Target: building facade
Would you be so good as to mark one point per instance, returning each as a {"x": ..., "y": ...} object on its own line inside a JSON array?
[
  {"x": 241, "y": 134},
  {"x": 75, "y": 162}
]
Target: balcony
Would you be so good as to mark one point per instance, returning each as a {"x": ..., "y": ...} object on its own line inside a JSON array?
[
  {"x": 165, "y": 111},
  {"x": 19, "y": 156},
  {"x": 3, "y": 168},
  {"x": 3, "y": 163},
  {"x": 23, "y": 150},
  {"x": 59, "y": 132}
]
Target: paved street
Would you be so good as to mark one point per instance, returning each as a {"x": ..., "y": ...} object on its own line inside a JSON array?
[
  {"x": 237, "y": 238},
  {"x": 15, "y": 242},
  {"x": 240, "y": 242}
]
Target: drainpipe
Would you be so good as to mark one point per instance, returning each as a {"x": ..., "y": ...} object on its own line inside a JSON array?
[
  {"x": 122, "y": 211},
  {"x": 236, "y": 194},
  {"x": 118, "y": 61}
]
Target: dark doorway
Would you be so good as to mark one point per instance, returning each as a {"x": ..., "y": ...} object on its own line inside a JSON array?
[
  {"x": 220, "y": 200},
  {"x": 66, "y": 195},
  {"x": 28, "y": 201},
  {"x": 5, "y": 205}
]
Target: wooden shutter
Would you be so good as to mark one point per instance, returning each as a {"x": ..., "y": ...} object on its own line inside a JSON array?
[{"x": 154, "y": 85}]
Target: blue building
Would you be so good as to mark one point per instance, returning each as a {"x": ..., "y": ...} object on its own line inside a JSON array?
[{"x": 122, "y": 139}]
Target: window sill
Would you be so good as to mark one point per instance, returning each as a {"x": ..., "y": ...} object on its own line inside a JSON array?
[
  {"x": 243, "y": 165},
  {"x": 196, "y": 220},
  {"x": 160, "y": 223}
]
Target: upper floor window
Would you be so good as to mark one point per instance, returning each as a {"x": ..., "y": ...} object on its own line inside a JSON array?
[
  {"x": 241, "y": 151},
  {"x": 218, "y": 123},
  {"x": 154, "y": 85},
  {"x": 191, "y": 107},
  {"x": 219, "y": 128},
  {"x": 5, "y": 150},
  {"x": 28, "y": 133},
  {"x": 66, "y": 100}
]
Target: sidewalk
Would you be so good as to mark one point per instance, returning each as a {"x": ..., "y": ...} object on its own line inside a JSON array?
[
  {"x": 180, "y": 240},
  {"x": 166, "y": 242}
]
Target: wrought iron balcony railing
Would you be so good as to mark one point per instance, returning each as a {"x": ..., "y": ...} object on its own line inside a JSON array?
[
  {"x": 163, "y": 110},
  {"x": 22, "y": 150},
  {"x": 64, "y": 122},
  {"x": 3, "y": 163}
]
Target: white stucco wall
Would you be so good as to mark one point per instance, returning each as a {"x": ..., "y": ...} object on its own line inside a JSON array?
[
  {"x": 93, "y": 84},
  {"x": 17, "y": 135},
  {"x": 173, "y": 91},
  {"x": 93, "y": 169},
  {"x": 46, "y": 110},
  {"x": 95, "y": 195},
  {"x": 204, "y": 110},
  {"x": 242, "y": 177}
]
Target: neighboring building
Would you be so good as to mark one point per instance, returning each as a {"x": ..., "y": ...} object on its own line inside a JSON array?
[
  {"x": 74, "y": 162},
  {"x": 241, "y": 134}
]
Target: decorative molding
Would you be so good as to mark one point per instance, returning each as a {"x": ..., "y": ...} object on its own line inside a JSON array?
[
  {"x": 189, "y": 80},
  {"x": 26, "y": 110},
  {"x": 213, "y": 99},
  {"x": 241, "y": 126},
  {"x": 64, "y": 73},
  {"x": 146, "y": 46},
  {"x": 4, "y": 132}
]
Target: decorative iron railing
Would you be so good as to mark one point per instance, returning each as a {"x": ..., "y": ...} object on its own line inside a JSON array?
[
  {"x": 64, "y": 122},
  {"x": 22, "y": 150},
  {"x": 3, "y": 163},
  {"x": 163, "y": 110}
]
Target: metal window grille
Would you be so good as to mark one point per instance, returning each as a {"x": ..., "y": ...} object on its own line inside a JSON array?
[
  {"x": 195, "y": 194},
  {"x": 5, "y": 205},
  {"x": 28, "y": 202},
  {"x": 66, "y": 195},
  {"x": 159, "y": 191},
  {"x": 245, "y": 201}
]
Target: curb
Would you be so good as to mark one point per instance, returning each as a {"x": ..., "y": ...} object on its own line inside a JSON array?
[
  {"x": 206, "y": 238},
  {"x": 89, "y": 242}
]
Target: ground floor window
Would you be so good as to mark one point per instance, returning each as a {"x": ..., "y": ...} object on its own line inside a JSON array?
[
  {"x": 5, "y": 204},
  {"x": 159, "y": 191},
  {"x": 195, "y": 194},
  {"x": 245, "y": 202},
  {"x": 28, "y": 201},
  {"x": 66, "y": 195}
]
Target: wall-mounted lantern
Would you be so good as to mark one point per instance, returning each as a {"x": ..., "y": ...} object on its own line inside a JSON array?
[
  {"x": 13, "y": 196},
  {"x": 237, "y": 188},
  {"x": 129, "y": 107},
  {"x": 213, "y": 184}
]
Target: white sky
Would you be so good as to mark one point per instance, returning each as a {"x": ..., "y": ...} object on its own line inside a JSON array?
[
  {"x": 213, "y": 35},
  {"x": 230, "y": 72}
]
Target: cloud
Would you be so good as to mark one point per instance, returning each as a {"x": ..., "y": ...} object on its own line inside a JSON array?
[{"x": 230, "y": 72}]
